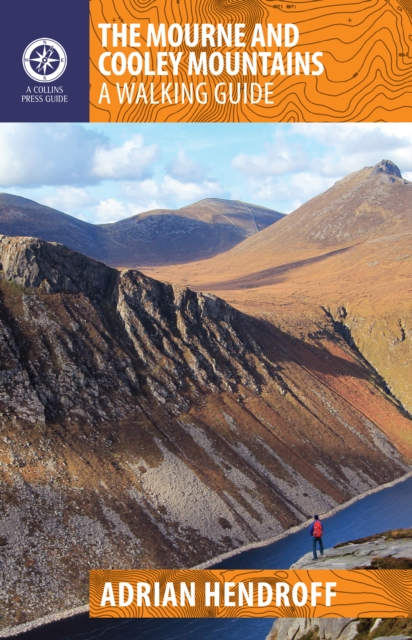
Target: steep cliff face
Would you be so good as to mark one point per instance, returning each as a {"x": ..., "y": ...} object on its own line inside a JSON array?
[{"x": 143, "y": 424}]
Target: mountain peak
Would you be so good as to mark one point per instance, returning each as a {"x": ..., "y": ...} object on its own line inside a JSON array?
[
  {"x": 388, "y": 167},
  {"x": 198, "y": 231}
]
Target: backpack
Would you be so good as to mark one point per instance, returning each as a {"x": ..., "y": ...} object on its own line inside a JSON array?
[{"x": 317, "y": 529}]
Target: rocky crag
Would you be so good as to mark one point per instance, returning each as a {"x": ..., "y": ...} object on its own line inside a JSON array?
[
  {"x": 389, "y": 550},
  {"x": 343, "y": 257},
  {"x": 143, "y": 424},
  {"x": 341, "y": 629}
]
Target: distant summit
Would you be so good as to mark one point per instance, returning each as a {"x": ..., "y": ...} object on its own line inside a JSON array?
[
  {"x": 347, "y": 250},
  {"x": 371, "y": 202},
  {"x": 163, "y": 236},
  {"x": 388, "y": 167}
]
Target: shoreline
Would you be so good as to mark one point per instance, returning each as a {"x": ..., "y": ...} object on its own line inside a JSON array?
[
  {"x": 10, "y": 632},
  {"x": 303, "y": 525}
]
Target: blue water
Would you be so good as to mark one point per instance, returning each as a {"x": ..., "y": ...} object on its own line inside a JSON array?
[{"x": 388, "y": 509}]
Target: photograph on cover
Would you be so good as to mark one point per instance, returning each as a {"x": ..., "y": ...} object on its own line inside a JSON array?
[{"x": 205, "y": 362}]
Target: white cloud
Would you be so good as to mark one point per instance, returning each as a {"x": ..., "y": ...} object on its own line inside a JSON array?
[
  {"x": 171, "y": 193},
  {"x": 351, "y": 146},
  {"x": 44, "y": 154},
  {"x": 35, "y": 155},
  {"x": 101, "y": 178},
  {"x": 185, "y": 169},
  {"x": 190, "y": 191},
  {"x": 304, "y": 160},
  {"x": 329, "y": 149},
  {"x": 69, "y": 199},
  {"x": 288, "y": 192},
  {"x": 131, "y": 161},
  {"x": 278, "y": 158},
  {"x": 111, "y": 210}
]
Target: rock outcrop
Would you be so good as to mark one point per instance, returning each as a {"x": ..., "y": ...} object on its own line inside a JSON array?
[
  {"x": 387, "y": 550},
  {"x": 319, "y": 628},
  {"x": 340, "y": 629},
  {"x": 360, "y": 554},
  {"x": 143, "y": 424},
  {"x": 386, "y": 167}
]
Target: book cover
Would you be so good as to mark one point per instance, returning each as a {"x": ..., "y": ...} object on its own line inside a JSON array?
[{"x": 205, "y": 310}]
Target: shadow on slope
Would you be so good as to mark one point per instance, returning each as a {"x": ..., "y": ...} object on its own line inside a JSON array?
[{"x": 272, "y": 275}]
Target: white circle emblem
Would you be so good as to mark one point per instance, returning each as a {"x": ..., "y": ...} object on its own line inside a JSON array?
[{"x": 44, "y": 60}]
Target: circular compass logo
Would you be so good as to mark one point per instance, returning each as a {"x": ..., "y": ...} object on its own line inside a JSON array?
[{"x": 44, "y": 60}]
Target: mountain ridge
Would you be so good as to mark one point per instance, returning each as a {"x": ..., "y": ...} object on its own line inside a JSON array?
[
  {"x": 201, "y": 230},
  {"x": 144, "y": 424},
  {"x": 346, "y": 253}
]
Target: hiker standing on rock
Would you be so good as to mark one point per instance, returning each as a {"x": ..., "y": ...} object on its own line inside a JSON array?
[{"x": 316, "y": 531}]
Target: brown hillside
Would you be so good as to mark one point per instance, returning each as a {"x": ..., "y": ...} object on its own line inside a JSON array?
[
  {"x": 198, "y": 231},
  {"x": 145, "y": 425},
  {"x": 345, "y": 256}
]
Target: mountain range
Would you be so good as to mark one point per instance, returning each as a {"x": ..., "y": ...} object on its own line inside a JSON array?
[
  {"x": 148, "y": 424},
  {"x": 343, "y": 257},
  {"x": 158, "y": 237}
]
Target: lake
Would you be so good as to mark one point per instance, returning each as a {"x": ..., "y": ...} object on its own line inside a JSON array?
[{"x": 387, "y": 509}]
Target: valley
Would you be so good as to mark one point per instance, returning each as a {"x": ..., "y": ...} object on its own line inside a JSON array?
[{"x": 164, "y": 415}]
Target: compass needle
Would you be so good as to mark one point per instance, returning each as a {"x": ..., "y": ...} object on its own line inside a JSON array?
[{"x": 39, "y": 62}]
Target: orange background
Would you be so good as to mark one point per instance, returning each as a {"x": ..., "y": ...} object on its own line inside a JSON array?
[
  {"x": 367, "y": 59},
  {"x": 363, "y": 593}
]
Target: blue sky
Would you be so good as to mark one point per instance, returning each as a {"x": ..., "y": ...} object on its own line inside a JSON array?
[{"x": 103, "y": 173}]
